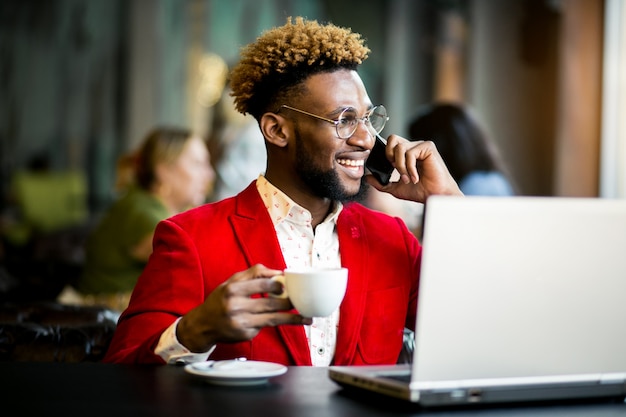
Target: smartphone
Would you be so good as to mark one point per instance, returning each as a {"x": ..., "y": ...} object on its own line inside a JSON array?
[{"x": 377, "y": 162}]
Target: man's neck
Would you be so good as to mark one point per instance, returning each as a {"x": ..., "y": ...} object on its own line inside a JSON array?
[{"x": 319, "y": 208}]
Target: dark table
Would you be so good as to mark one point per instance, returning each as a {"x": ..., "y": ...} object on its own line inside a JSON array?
[{"x": 95, "y": 389}]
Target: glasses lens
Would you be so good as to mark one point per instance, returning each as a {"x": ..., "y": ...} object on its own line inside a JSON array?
[
  {"x": 378, "y": 118},
  {"x": 347, "y": 123}
]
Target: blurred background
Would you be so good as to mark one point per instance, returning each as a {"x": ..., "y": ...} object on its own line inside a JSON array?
[{"x": 81, "y": 82}]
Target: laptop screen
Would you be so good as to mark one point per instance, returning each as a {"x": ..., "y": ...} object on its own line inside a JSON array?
[{"x": 520, "y": 287}]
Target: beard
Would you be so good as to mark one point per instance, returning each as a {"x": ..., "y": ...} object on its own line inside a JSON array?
[{"x": 324, "y": 184}]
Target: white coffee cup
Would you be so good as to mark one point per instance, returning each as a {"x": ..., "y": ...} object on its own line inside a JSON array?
[{"x": 314, "y": 292}]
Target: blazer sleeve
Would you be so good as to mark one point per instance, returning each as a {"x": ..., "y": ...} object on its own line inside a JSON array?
[{"x": 171, "y": 284}]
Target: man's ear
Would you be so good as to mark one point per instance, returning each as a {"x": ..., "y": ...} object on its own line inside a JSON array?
[{"x": 275, "y": 129}]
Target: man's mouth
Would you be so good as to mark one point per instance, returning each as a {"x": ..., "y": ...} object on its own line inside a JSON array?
[{"x": 351, "y": 163}]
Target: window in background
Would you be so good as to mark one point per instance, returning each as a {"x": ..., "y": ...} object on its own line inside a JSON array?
[{"x": 613, "y": 153}]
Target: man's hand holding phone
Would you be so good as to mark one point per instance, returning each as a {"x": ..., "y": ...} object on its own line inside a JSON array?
[{"x": 422, "y": 170}]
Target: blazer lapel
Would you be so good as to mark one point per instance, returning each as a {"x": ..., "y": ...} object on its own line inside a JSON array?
[
  {"x": 254, "y": 230},
  {"x": 352, "y": 240},
  {"x": 257, "y": 239}
]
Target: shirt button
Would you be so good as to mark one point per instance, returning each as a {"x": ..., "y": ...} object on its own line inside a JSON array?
[{"x": 320, "y": 351}]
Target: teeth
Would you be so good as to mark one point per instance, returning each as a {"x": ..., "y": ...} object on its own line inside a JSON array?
[{"x": 351, "y": 162}]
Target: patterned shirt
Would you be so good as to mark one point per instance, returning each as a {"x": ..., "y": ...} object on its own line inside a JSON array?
[{"x": 304, "y": 247}]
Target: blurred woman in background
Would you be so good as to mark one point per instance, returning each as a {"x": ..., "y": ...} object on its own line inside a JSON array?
[
  {"x": 471, "y": 157},
  {"x": 170, "y": 173}
]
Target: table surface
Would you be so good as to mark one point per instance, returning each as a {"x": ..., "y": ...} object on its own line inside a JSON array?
[{"x": 95, "y": 389}]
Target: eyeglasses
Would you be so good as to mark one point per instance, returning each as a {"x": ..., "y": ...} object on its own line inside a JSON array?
[{"x": 348, "y": 121}]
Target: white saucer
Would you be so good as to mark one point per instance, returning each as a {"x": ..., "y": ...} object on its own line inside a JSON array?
[{"x": 236, "y": 372}]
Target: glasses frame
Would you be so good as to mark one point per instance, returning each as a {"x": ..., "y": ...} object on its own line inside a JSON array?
[{"x": 365, "y": 119}]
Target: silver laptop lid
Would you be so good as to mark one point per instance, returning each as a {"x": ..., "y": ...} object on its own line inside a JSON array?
[{"x": 521, "y": 287}]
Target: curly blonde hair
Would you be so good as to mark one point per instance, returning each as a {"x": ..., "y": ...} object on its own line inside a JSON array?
[{"x": 273, "y": 67}]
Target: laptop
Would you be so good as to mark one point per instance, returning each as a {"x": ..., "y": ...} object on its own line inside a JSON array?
[{"x": 520, "y": 299}]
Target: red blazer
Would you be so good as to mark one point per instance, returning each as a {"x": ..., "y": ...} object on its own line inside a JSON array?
[{"x": 197, "y": 250}]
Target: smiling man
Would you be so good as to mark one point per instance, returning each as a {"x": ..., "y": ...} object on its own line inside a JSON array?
[{"x": 204, "y": 292}]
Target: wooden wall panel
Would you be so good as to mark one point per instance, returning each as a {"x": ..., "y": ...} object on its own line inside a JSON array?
[{"x": 579, "y": 101}]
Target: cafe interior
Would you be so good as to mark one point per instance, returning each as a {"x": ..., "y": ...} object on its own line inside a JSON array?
[{"x": 82, "y": 82}]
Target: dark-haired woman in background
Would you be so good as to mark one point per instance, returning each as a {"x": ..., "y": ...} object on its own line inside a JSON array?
[{"x": 471, "y": 157}]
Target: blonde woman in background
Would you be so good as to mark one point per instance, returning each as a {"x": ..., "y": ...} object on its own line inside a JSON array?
[{"x": 170, "y": 173}]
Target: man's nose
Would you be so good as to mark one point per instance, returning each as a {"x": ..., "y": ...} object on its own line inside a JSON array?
[{"x": 364, "y": 136}]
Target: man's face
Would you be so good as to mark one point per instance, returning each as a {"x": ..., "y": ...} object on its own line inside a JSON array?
[
  {"x": 325, "y": 183},
  {"x": 329, "y": 166}
]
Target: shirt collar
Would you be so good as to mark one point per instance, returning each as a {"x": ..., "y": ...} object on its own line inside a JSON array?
[{"x": 280, "y": 207}]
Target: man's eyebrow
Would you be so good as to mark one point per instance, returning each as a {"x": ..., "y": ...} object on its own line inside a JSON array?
[
  {"x": 352, "y": 109},
  {"x": 341, "y": 109}
]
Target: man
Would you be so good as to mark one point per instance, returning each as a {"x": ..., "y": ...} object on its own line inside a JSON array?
[{"x": 204, "y": 292}]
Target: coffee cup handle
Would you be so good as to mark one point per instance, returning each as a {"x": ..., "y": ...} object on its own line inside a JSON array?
[{"x": 281, "y": 279}]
